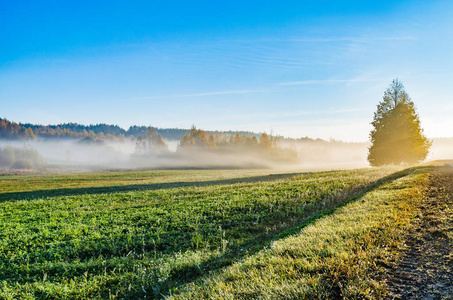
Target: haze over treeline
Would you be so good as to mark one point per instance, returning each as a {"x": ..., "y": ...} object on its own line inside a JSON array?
[
  {"x": 73, "y": 146},
  {"x": 104, "y": 146}
]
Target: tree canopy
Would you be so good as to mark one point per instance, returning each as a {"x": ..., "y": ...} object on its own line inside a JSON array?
[{"x": 397, "y": 136}]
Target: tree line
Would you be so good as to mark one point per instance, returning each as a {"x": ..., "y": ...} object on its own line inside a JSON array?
[
  {"x": 200, "y": 139},
  {"x": 197, "y": 143},
  {"x": 13, "y": 130}
]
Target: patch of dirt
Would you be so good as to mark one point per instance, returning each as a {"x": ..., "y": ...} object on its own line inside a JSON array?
[{"x": 426, "y": 268}]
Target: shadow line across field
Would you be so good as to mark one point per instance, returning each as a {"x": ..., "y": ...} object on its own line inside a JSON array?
[
  {"x": 255, "y": 241},
  {"x": 262, "y": 241},
  {"x": 28, "y": 195}
]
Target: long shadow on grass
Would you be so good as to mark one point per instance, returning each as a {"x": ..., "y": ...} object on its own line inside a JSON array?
[
  {"x": 137, "y": 187},
  {"x": 252, "y": 242},
  {"x": 259, "y": 242}
]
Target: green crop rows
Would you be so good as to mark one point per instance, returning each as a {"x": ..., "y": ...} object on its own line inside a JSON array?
[{"x": 147, "y": 238}]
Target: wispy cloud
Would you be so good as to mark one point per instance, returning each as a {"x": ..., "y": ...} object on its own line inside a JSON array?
[
  {"x": 327, "y": 81},
  {"x": 317, "y": 112},
  {"x": 355, "y": 39},
  {"x": 283, "y": 114},
  {"x": 235, "y": 92},
  {"x": 331, "y": 39}
]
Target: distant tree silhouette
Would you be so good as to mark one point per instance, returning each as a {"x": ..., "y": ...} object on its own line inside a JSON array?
[
  {"x": 12, "y": 130},
  {"x": 397, "y": 136}
]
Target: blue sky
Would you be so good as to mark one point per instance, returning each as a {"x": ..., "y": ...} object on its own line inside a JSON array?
[{"x": 295, "y": 68}]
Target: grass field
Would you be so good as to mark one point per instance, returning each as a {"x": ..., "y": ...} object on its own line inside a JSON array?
[{"x": 203, "y": 234}]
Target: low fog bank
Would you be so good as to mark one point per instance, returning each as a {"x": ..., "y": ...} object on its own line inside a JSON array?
[
  {"x": 74, "y": 154},
  {"x": 327, "y": 155},
  {"x": 442, "y": 148},
  {"x": 74, "y": 147}
]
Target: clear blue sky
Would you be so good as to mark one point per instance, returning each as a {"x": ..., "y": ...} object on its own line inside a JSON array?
[{"x": 297, "y": 68}]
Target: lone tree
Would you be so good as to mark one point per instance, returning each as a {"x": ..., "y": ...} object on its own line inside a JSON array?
[{"x": 397, "y": 137}]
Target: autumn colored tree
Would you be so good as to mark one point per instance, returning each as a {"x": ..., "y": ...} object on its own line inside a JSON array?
[
  {"x": 187, "y": 141},
  {"x": 265, "y": 142},
  {"x": 29, "y": 134},
  {"x": 211, "y": 142},
  {"x": 397, "y": 136},
  {"x": 198, "y": 138},
  {"x": 154, "y": 141},
  {"x": 160, "y": 143},
  {"x": 238, "y": 139}
]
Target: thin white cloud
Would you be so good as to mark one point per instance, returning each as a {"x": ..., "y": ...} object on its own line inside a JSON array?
[
  {"x": 317, "y": 112},
  {"x": 330, "y": 39},
  {"x": 236, "y": 92},
  {"x": 222, "y": 93},
  {"x": 281, "y": 115},
  {"x": 354, "y": 39},
  {"x": 327, "y": 81}
]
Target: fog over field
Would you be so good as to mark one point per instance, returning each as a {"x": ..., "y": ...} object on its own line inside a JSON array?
[{"x": 71, "y": 154}]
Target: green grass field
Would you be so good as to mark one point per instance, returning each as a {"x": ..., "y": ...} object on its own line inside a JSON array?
[{"x": 196, "y": 234}]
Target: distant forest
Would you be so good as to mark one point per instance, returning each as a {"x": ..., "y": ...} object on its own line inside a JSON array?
[{"x": 12, "y": 130}]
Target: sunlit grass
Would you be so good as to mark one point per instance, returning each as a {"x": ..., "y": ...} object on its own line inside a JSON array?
[
  {"x": 155, "y": 242},
  {"x": 339, "y": 256}
]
